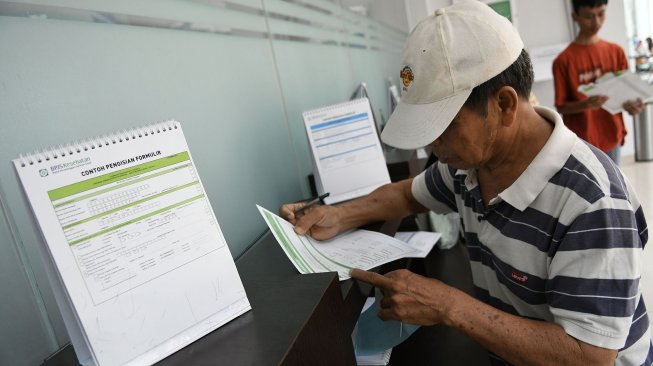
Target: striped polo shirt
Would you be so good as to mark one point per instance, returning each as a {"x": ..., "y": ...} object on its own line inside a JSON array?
[{"x": 562, "y": 244}]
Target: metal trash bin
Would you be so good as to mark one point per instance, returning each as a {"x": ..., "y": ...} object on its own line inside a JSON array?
[{"x": 643, "y": 124}]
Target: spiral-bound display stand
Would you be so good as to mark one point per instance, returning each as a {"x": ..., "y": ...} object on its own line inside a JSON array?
[
  {"x": 135, "y": 256},
  {"x": 77, "y": 147}
]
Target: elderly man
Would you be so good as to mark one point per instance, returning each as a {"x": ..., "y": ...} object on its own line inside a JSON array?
[{"x": 554, "y": 232}]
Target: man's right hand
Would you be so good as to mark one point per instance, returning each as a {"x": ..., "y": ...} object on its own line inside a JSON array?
[{"x": 319, "y": 222}]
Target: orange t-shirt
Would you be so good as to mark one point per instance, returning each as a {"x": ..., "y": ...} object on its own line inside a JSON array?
[{"x": 580, "y": 64}]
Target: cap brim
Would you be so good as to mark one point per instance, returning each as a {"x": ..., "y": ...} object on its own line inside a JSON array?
[{"x": 412, "y": 126}]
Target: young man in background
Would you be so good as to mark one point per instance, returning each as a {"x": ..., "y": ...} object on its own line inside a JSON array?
[{"x": 586, "y": 59}]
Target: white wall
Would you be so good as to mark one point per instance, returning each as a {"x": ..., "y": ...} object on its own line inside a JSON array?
[
  {"x": 390, "y": 12},
  {"x": 542, "y": 23}
]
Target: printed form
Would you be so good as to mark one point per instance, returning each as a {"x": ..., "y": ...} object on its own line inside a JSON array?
[
  {"x": 347, "y": 153},
  {"x": 130, "y": 227},
  {"x": 355, "y": 249}
]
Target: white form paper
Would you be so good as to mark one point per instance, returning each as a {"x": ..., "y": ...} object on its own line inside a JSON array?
[
  {"x": 348, "y": 159},
  {"x": 139, "y": 263},
  {"x": 422, "y": 241},
  {"x": 619, "y": 88},
  {"x": 135, "y": 229},
  {"x": 355, "y": 249}
]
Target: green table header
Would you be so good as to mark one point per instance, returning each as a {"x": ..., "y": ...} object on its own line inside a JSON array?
[{"x": 118, "y": 175}]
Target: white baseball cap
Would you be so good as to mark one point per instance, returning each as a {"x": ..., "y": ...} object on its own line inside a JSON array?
[{"x": 446, "y": 56}]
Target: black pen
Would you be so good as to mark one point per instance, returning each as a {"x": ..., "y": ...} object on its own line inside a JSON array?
[{"x": 311, "y": 203}]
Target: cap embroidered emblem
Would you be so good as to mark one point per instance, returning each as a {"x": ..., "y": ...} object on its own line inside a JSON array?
[{"x": 406, "y": 76}]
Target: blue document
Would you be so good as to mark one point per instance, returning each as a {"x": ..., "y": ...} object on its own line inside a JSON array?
[{"x": 375, "y": 335}]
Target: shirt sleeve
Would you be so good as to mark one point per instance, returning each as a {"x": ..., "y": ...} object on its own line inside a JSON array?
[
  {"x": 623, "y": 61},
  {"x": 433, "y": 188},
  {"x": 560, "y": 77},
  {"x": 593, "y": 285}
]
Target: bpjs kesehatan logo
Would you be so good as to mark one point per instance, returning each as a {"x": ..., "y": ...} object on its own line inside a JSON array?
[
  {"x": 43, "y": 172},
  {"x": 68, "y": 165}
]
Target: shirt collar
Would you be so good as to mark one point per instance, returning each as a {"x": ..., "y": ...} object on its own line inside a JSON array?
[{"x": 544, "y": 166}]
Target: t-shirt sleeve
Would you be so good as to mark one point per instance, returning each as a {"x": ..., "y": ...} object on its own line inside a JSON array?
[
  {"x": 593, "y": 285},
  {"x": 622, "y": 61},
  {"x": 433, "y": 188},
  {"x": 560, "y": 84}
]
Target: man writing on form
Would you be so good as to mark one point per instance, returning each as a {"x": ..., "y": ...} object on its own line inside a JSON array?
[{"x": 554, "y": 232}]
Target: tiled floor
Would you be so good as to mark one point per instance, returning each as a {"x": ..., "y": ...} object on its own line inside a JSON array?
[{"x": 640, "y": 175}]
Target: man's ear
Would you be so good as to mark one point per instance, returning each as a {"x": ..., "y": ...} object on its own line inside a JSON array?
[{"x": 507, "y": 101}]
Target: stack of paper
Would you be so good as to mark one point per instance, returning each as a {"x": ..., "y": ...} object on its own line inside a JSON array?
[
  {"x": 373, "y": 356},
  {"x": 375, "y": 338},
  {"x": 377, "y": 359}
]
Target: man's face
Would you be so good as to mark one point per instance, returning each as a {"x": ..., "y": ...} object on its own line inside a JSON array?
[
  {"x": 590, "y": 19},
  {"x": 468, "y": 142}
]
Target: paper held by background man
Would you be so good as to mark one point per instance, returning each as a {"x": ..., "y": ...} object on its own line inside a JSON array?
[{"x": 619, "y": 88}]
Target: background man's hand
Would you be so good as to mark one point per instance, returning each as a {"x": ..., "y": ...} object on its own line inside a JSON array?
[
  {"x": 319, "y": 222},
  {"x": 634, "y": 107},
  {"x": 595, "y": 101}
]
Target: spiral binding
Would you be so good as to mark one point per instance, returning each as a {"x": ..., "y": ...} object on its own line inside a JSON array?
[{"x": 97, "y": 142}]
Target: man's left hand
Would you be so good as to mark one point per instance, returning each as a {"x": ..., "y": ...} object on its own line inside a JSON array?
[{"x": 409, "y": 297}]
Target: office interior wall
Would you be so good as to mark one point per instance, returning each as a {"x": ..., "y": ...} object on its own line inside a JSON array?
[
  {"x": 433, "y": 5},
  {"x": 237, "y": 74},
  {"x": 308, "y": 79},
  {"x": 639, "y": 15},
  {"x": 391, "y": 12}
]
